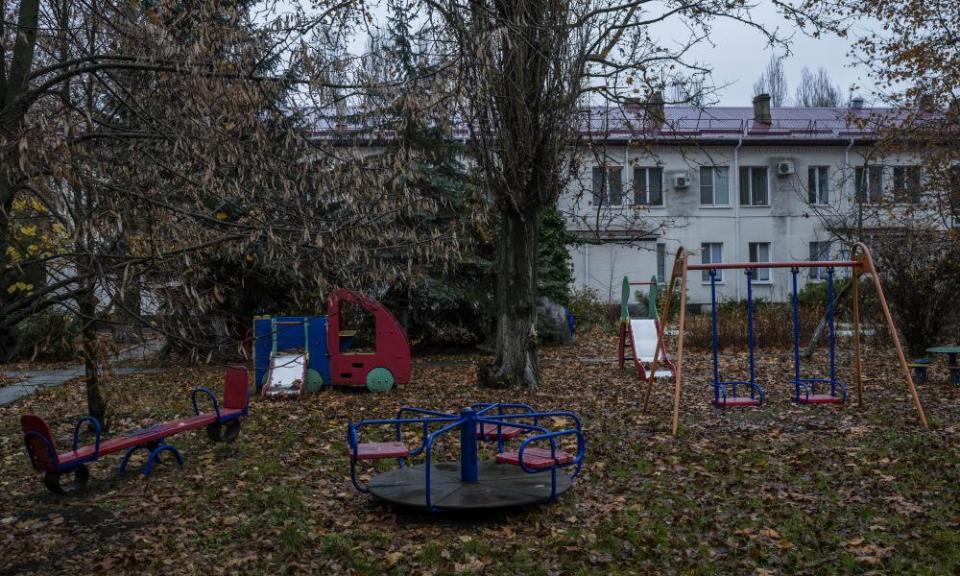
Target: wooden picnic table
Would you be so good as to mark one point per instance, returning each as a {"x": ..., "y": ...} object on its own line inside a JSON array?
[{"x": 952, "y": 352}]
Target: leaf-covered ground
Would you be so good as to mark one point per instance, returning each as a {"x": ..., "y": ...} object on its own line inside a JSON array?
[{"x": 780, "y": 490}]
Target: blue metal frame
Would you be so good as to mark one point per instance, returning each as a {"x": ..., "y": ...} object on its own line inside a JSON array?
[
  {"x": 483, "y": 407},
  {"x": 466, "y": 421},
  {"x": 720, "y": 386},
  {"x": 805, "y": 387},
  {"x": 76, "y": 435},
  {"x": 155, "y": 453},
  {"x": 213, "y": 398},
  {"x": 282, "y": 333}
]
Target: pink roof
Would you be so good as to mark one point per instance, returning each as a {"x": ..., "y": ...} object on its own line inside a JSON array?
[{"x": 682, "y": 123}]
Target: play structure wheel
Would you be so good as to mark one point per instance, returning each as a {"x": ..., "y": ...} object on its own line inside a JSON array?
[
  {"x": 314, "y": 381},
  {"x": 227, "y": 432},
  {"x": 379, "y": 380},
  {"x": 81, "y": 474}
]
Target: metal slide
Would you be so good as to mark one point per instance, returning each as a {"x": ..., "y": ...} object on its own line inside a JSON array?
[
  {"x": 287, "y": 375},
  {"x": 643, "y": 332}
]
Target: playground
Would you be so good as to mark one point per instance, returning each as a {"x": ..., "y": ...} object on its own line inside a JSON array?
[{"x": 785, "y": 488}]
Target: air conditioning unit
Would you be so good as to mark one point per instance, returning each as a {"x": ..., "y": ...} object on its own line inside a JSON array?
[
  {"x": 784, "y": 168},
  {"x": 681, "y": 181}
]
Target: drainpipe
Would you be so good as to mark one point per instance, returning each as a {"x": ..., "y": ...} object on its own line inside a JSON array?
[
  {"x": 847, "y": 169},
  {"x": 586, "y": 265},
  {"x": 736, "y": 213}
]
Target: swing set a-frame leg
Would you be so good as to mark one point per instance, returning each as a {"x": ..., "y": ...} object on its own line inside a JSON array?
[
  {"x": 867, "y": 266},
  {"x": 661, "y": 349}
]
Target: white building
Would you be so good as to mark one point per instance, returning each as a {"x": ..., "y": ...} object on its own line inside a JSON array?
[{"x": 728, "y": 184}]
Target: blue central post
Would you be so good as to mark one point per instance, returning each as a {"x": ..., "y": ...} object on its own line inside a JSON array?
[
  {"x": 753, "y": 372},
  {"x": 469, "y": 461},
  {"x": 716, "y": 343}
]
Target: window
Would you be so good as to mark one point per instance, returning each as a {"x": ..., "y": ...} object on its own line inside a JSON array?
[
  {"x": 869, "y": 182},
  {"x": 818, "y": 185},
  {"x": 753, "y": 186},
  {"x": 760, "y": 252},
  {"x": 953, "y": 192},
  {"x": 714, "y": 186},
  {"x": 906, "y": 184},
  {"x": 711, "y": 253},
  {"x": 648, "y": 186},
  {"x": 607, "y": 186},
  {"x": 819, "y": 251},
  {"x": 661, "y": 263}
]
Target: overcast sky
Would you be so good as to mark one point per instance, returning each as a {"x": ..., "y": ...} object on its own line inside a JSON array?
[{"x": 738, "y": 55}]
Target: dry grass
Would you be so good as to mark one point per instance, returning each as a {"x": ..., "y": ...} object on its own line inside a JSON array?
[{"x": 784, "y": 489}]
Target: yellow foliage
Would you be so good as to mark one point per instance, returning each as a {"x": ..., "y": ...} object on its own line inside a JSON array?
[
  {"x": 12, "y": 254},
  {"x": 20, "y": 287}
]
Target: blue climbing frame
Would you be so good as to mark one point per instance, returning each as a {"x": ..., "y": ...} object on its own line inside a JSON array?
[
  {"x": 720, "y": 396},
  {"x": 478, "y": 422}
]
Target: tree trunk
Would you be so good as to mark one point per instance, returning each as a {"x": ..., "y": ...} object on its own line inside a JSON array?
[
  {"x": 87, "y": 303},
  {"x": 515, "y": 362}
]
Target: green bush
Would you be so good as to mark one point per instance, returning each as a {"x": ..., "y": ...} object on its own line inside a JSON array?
[{"x": 590, "y": 312}]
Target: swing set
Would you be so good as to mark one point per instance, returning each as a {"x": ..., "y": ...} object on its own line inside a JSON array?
[{"x": 807, "y": 390}]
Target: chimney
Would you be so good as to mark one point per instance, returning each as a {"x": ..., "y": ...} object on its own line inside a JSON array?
[
  {"x": 653, "y": 110},
  {"x": 856, "y": 103},
  {"x": 761, "y": 109},
  {"x": 927, "y": 103}
]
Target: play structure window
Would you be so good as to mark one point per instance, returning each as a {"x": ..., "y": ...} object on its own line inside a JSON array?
[{"x": 358, "y": 329}]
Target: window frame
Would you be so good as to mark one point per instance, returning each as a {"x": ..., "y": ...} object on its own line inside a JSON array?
[
  {"x": 818, "y": 196},
  {"x": 749, "y": 181},
  {"x": 604, "y": 194},
  {"x": 661, "y": 263},
  {"x": 818, "y": 274},
  {"x": 706, "y": 257},
  {"x": 646, "y": 171},
  {"x": 713, "y": 170},
  {"x": 753, "y": 256},
  {"x": 910, "y": 186},
  {"x": 864, "y": 191}
]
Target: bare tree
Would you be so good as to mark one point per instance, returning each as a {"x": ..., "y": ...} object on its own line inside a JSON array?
[
  {"x": 816, "y": 90},
  {"x": 525, "y": 67},
  {"x": 773, "y": 81}
]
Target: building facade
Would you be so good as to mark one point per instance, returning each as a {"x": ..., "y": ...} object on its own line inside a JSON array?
[{"x": 730, "y": 185}]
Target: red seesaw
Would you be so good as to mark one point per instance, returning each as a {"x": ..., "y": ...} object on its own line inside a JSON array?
[{"x": 222, "y": 424}]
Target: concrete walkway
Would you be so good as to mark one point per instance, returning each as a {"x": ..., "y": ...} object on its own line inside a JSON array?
[{"x": 36, "y": 379}]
